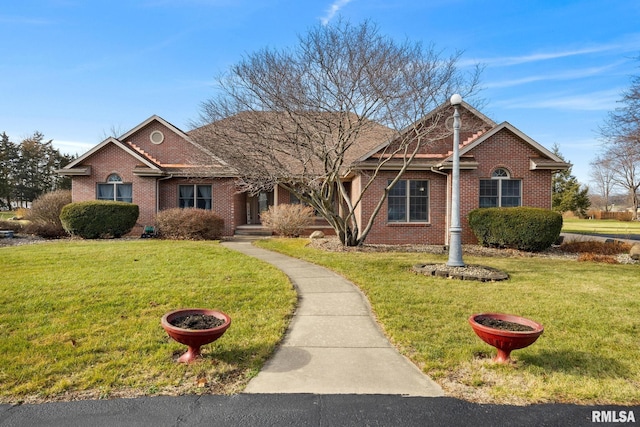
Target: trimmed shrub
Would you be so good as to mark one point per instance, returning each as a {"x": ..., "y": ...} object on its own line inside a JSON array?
[
  {"x": 98, "y": 219},
  {"x": 44, "y": 215},
  {"x": 189, "y": 224},
  {"x": 288, "y": 220},
  {"x": 523, "y": 228}
]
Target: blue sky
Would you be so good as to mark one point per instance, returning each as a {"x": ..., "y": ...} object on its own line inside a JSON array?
[{"x": 77, "y": 70}]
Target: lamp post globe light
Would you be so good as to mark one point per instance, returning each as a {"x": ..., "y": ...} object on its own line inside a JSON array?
[{"x": 455, "y": 238}]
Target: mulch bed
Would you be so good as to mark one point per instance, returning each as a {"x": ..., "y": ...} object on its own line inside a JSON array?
[{"x": 468, "y": 272}]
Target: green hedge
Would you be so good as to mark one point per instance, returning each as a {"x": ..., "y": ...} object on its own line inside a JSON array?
[
  {"x": 527, "y": 229},
  {"x": 97, "y": 219}
]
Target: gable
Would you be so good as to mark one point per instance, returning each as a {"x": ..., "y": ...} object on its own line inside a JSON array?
[
  {"x": 165, "y": 143},
  {"x": 476, "y": 129},
  {"x": 82, "y": 165},
  {"x": 537, "y": 156},
  {"x": 436, "y": 136},
  {"x": 159, "y": 149}
]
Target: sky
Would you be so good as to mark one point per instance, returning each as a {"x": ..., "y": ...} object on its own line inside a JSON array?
[{"x": 79, "y": 71}]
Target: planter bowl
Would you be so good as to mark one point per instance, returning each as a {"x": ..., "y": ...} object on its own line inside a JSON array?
[
  {"x": 503, "y": 340},
  {"x": 194, "y": 338}
]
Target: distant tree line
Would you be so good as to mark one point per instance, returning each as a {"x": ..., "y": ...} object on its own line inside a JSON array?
[{"x": 27, "y": 170}]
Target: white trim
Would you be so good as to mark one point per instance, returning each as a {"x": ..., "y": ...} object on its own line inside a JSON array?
[
  {"x": 158, "y": 140},
  {"x": 174, "y": 129},
  {"x": 407, "y": 201},
  {"x": 435, "y": 111},
  {"x": 518, "y": 133},
  {"x": 117, "y": 143}
]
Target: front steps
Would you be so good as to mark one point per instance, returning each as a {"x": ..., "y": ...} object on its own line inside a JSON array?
[{"x": 253, "y": 230}]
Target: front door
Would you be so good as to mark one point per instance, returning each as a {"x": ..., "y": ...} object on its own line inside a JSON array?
[{"x": 258, "y": 204}]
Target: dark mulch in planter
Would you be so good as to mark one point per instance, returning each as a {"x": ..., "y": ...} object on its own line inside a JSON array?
[
  {"x": 197, "y": 321},
  {"x": 504, "y": 325}
]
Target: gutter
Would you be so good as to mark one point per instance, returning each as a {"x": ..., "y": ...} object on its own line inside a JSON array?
[
  {"x": 158, "y": 191},
  {"x": 448, "y": 218}
]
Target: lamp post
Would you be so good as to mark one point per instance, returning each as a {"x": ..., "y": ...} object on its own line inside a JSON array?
[{"x": 455, "y": 239}]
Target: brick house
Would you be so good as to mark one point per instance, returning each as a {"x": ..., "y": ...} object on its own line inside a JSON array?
[{"x": 158, "y": 166}]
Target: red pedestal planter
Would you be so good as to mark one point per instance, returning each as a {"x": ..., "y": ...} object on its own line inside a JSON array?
[
  {"x": 194, "y": 338},
  {"x": 504, "y": 340}
]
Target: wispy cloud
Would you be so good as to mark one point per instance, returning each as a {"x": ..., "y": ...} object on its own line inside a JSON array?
[
  {"x": 544, "y": 56},
  {"x": 72, "y": 147},
  {"x": 567, "y": 75},
  {"x": 333, "y": 9},
  {"x": 23, "y": 20},
  {"x": 594, "y": 101}
]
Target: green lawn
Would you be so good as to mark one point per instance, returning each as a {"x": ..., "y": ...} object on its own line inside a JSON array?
[
  {"x": 4, "y": 215},
  {"x": 82, "y": 318},
  {"x": 588, "y": 353},
  {"x": 604, "y": 226}
]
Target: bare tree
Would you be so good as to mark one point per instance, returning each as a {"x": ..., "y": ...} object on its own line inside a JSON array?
[
  {"x": 625, "y": 163},
  {"x": 623, "y": 124},
  {"x": 621, "y": 133},
  {"x": 299, "y": 118},
  {"x": 603, "y": 177}
]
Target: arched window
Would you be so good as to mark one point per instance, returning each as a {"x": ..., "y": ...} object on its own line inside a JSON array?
[
  {"x": 500, "y": 190},
  {"x": 114, "y": 189},
  {"x": 500, "y": 173}
]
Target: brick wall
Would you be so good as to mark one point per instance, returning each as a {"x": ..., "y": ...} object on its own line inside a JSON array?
[
  {"x": 504, "y": 149},
  {"x": 173, "y": 150},
  {"x": 112, "y": 159},
  {"x": 385, "y": 232},
  {"x": 224, "y": 202}
]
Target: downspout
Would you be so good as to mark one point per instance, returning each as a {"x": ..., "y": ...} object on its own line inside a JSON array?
[
  {"x": 158, "y": 191},
  {"x": 448, "y": 215}
]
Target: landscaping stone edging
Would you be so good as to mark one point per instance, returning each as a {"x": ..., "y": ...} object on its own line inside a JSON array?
[{"x": 469, "y": 272}]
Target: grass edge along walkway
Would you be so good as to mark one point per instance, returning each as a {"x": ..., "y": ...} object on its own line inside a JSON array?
[
  {"x": 587, "y": 355},
  {"x": 81, "y": 319}
]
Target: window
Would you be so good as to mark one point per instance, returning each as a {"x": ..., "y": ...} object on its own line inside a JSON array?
[
  {"x": 500, "y": 190},
  {"x": 294, "y": 200},
  {"x": 408, "y": 201},
  {"x": 114, "y": 189},
  {"x": 198, "y": 196}
]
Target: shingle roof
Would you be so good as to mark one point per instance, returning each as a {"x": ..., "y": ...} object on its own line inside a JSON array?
[{"x": 283, "y": 135}]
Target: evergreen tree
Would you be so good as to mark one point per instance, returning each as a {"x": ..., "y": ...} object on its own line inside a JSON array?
[
  {"x": 27, "y": 170},
  {"x": 8, "y": 161},
  {"x": 568, "y": 194}
]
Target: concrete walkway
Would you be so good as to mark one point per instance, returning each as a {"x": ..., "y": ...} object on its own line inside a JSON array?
[{"x": 333, "y": 345}]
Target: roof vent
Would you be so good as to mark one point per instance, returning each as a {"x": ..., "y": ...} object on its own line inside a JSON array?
[{"x": 156, "y": 137}]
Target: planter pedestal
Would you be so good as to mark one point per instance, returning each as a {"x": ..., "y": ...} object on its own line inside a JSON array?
[
  {"x": 194, "y": 338},
  {"x": 503, "y": 340}
]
